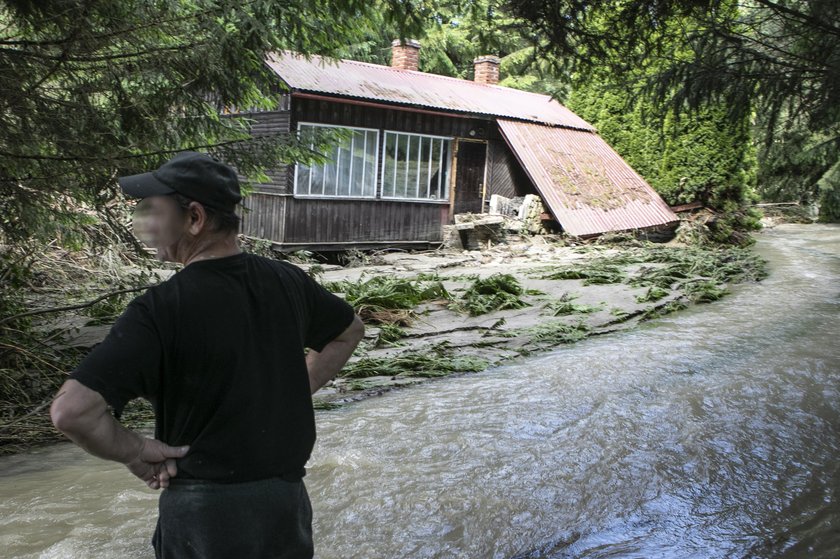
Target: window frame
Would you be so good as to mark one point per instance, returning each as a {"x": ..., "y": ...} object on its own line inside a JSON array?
[
  {"x": 309, "y": 195},
  {"x": 445, "y": 155}
]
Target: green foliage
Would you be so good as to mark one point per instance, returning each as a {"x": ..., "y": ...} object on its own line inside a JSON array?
[
  {"x": 654, "y": 293},
  {"x": 494, "y": 293},
  {"x": 550, "y": 334},
  {"x": 388, "y": 300},
  {"x": 108, "y": 309},
  {"x": 800, "y": 165},
  {"x": 564, "y": 305},
  {"x": 596, "y": 272},
  {"x": 704, "y": 291},
  {"x": 698, "y": 156},
  {"x": 438, "y": 362},
  {"x": 772, "y": 59},
  {"x": 93, "y": 90},
  {"x": 829, "y": 200},
  {"x": 390, "y": 334}
]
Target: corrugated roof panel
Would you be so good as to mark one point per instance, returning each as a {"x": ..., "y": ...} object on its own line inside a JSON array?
[
  {"x": 383, "y": 83},
  {"x": 588, "y": 187}
]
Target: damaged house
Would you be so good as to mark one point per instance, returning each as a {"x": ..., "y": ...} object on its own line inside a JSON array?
[{"x": 421, "y": 148}]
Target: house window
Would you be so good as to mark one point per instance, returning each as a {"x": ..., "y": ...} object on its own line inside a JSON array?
[
  {"x": 416, "y": 167},
  {"x": 350, "y": 170}
]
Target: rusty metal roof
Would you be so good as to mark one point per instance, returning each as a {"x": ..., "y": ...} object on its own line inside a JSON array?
[
  {"x": 406, "y": 87},
  {"x": 587, "y": 186}
]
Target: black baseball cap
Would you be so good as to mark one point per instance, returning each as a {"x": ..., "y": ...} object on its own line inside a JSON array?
[{"x": 194, "y": 175}]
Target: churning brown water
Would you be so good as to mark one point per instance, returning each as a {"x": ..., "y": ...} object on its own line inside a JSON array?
[{"x": 714, "y": 432}]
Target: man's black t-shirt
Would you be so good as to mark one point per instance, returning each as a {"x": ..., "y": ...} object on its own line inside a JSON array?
[{"x": 219, "y": 351}]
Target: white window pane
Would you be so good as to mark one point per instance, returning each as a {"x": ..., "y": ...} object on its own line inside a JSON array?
[
  {"x": 435, "y": 177},
  {"x": 444, "y": 172},
  {"x": 423, "y": 171},
  {"x": 302, "y": 179},
  {"x": 317, "y": 183},
  {"x": 350, "y": 169},
  {"x": 343, "y": 170},
  {"x": 389, "y": 165},
  {"x": 401, "y": 165},
  {"x": 371, "y": 145}
]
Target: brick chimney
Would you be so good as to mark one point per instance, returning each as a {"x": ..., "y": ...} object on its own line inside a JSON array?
[
  {"x": 405, "y": 56},
  {"x": 487, "y": 69}
]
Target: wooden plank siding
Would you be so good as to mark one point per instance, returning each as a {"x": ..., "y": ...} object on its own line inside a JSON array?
[
  {"x": 362, "y": 221},
  {"x": 265, "y": 216},
  {"x": 348, "y": 114},
  {"x": 265, "y": 124},
  {"x": 505, "y": 175}
]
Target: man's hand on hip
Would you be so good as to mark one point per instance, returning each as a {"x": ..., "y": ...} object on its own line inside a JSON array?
[{"x": 155, "y": 463}]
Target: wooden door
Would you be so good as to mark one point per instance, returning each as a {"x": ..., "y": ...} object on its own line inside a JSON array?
[{"x": 469, "y": 176}]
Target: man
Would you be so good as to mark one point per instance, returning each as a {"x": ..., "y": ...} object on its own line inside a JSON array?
[{"x": 218, "y": 349}]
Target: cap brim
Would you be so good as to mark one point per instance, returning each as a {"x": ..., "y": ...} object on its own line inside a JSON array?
[{"x": 143, "y": 186}]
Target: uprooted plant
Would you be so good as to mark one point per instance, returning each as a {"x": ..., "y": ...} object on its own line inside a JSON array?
[{"x": 388, "y": 300}]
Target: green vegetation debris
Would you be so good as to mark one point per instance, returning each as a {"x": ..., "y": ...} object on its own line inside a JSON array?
[
  {"x": 594, "y": 272},
  {"x": 494, "y": 293},
  {"x": 388, "y": 300},
  {"x": 439, "y": 361},
  {"x": 564, "y": 305},
  {"x": 654, "y": 293},
  {"x": 390, "y": 334},
  {"x": 325, "y": 406},
  {"x": 704, "y": 291},
  {"x": 550, "y": 334}
]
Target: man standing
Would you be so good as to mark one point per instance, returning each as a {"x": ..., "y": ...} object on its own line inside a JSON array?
[{"x": 219, "y": 351}]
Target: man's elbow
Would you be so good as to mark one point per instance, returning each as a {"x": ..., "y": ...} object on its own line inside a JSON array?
[
  {"x": 73, "y": 407},
  {"x": 64, "y": 416}
]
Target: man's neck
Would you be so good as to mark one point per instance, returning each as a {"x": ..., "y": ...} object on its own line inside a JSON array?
[{"x": 212, "y": 249}]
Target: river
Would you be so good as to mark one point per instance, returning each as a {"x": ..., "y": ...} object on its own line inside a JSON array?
[{"x": 713, "y": 432}]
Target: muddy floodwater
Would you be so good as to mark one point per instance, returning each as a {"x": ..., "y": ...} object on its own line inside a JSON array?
[{"x": 713, "y": 432}]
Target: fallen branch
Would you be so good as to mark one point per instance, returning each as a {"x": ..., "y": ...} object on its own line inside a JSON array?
[
  {"x": 73, "y": 307},
  {"x": 37, "y": 409}
]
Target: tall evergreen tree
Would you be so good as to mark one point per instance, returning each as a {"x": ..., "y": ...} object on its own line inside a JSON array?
[
  {"x": 94, "y": 89},
  {"x": 779, "y": 59}
]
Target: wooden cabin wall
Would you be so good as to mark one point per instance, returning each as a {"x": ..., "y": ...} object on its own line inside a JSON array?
[
  {"x": 266, "y": 124},
  {"x": 264, "y": 216},
  {"x": 505, "y": 175},
  {"x": 276, "y": 215},
  {"x": 361, "y": 221},
  {"x": 347, "y": 114},
  {"x": 325, "y": 221}
]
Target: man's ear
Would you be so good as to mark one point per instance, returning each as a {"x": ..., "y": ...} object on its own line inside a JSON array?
[{"x": 197, "y": 218}]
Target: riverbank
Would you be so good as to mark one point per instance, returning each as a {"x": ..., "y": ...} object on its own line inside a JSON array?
[{"x": 428, "y": 314}]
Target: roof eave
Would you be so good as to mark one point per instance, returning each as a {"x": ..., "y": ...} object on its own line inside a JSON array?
[{"x": 416, "y": 107}]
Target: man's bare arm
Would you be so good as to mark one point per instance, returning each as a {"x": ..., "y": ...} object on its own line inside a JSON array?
[
  {"x": 325, "y": 364},
  {"x": 82, "y": 414}
]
